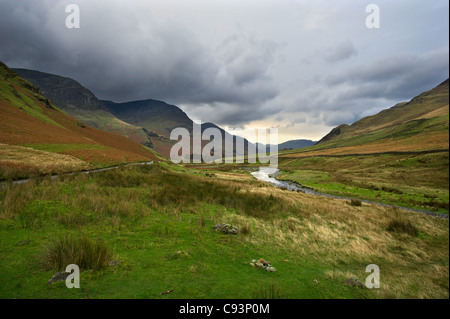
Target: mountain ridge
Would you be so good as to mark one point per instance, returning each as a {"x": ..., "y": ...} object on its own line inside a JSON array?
[
  {"x": 421, "y": 124},
  {"x": 31, "y": 119}
]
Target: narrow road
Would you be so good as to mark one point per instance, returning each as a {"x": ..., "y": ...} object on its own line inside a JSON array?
[{"x": 55, "y": 176}]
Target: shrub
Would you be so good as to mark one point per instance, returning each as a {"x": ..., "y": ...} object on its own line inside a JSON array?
[
  {"x": 397, "y": 225},
  {"x": 79, "y": 250},
  {"x": 355, "y": 202},
  {"x": 245, "y": 230}
]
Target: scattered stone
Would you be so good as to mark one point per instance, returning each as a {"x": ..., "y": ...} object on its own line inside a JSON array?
[
  {"x": 259, "y": 265},
  {"x": 59, "y": 276},
  {"x": 263, "y": 264},
  {"x": 352, "y": 282},
  {"x": 226, "y": 229}
]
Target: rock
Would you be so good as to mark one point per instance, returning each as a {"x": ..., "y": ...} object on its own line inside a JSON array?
[
  {"x": 264, "y": 262},
  {"x": 254, "y": 260},
  {"x": 182, "y": 253},
  {"x": 259, "y": 265},
  {"x": 226, "y": 229},
  {"x": 271, "y": 269},
  {"x": 352, "y": 282},
  {"x": 59, "y": 276},
  {"x": 252, "y": 264}
]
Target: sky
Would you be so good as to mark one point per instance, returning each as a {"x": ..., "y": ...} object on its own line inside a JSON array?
[{"x": 303, "y": 67}]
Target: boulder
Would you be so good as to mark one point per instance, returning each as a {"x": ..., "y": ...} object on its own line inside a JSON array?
[
  {"x": 354, "y": 282},
  {"x": 226, "y": 229},
  {"x": 259, "y": 265},
  {"x": 264, "y": 262},
  {"x": 59, "y": 276}
]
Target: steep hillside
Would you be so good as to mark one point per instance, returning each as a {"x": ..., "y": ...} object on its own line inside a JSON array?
[
  {"x": 156, "y": 116},
  {"x": 30, "y": 119},
  {"x": 148, "y": 122},
  {"x": 421, "y": 124},
  {"x": 159, "y": 119},
  {"x": 73, "y": 98}
]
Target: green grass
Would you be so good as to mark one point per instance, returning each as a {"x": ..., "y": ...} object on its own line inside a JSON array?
[
  {"x": 20, "y": 100},
  {"x": 416, "y": 181},
  {"x": 158, "y": 221}
]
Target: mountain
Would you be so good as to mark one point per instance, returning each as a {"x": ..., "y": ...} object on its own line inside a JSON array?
[
  {"x": 161, "y": 118},
  {"x": 148, "y": 122},
  {"x": 30, "y": 119},
  {"x": 295, "y": 144},
  {"x": 153, "y": 115},
  {"x": 422, "y": 124},
  {"x": 73, "y": 98}
]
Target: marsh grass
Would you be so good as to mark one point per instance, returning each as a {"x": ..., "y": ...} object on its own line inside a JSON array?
[
  {"x": 79, "y": 250},
  {"x": 417, "y": 181},
  {"x": 355, "y": 202},
  {"x": 271, "y": 291},
  {"x": 402, "y": 226}
]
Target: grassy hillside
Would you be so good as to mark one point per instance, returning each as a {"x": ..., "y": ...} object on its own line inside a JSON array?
[
  {"x": 21, "y": 162},
  {"x": 154, "y": 226},
  {"x": 387, "y": 157},
  {"x": 159, "y": 119},
  {"x": 29, "y": 119},
  {"x": 156, "y": 116},
  {"x": 73, "y": 98},
  {"x": 420, "y": 124}
]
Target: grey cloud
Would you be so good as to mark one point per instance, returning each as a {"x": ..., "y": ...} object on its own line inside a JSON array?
[
  {"x": 133, "y": 60},
  {"x": 395, "y": 77},
  {"x": 232, "y": 62},
  {"x": 342, "y": 51}
]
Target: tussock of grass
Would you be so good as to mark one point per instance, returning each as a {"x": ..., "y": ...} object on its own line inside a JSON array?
[
  {"x": 79, "y": 250},
  {"x": 402, "y": 226},
  {"x": 355, "y": 202},
  {"x": 271, "y": 291}
]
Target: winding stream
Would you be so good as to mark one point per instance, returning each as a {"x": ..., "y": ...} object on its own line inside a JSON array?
[{"x": 268, "y": 174}]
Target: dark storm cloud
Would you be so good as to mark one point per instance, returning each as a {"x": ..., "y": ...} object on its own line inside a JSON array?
[
  {"x": 131, "y": 59},
  {"x": 393, "y": 77},
  {"x": 300, "y": 63}
]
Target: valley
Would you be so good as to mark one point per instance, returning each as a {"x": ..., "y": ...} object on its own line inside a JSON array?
[{"x": 147, "y": 231}]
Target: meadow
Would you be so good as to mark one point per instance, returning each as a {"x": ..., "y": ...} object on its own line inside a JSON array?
[
  {"x": 419, "y": 181},
  {"x": 144, "y": 230}
]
